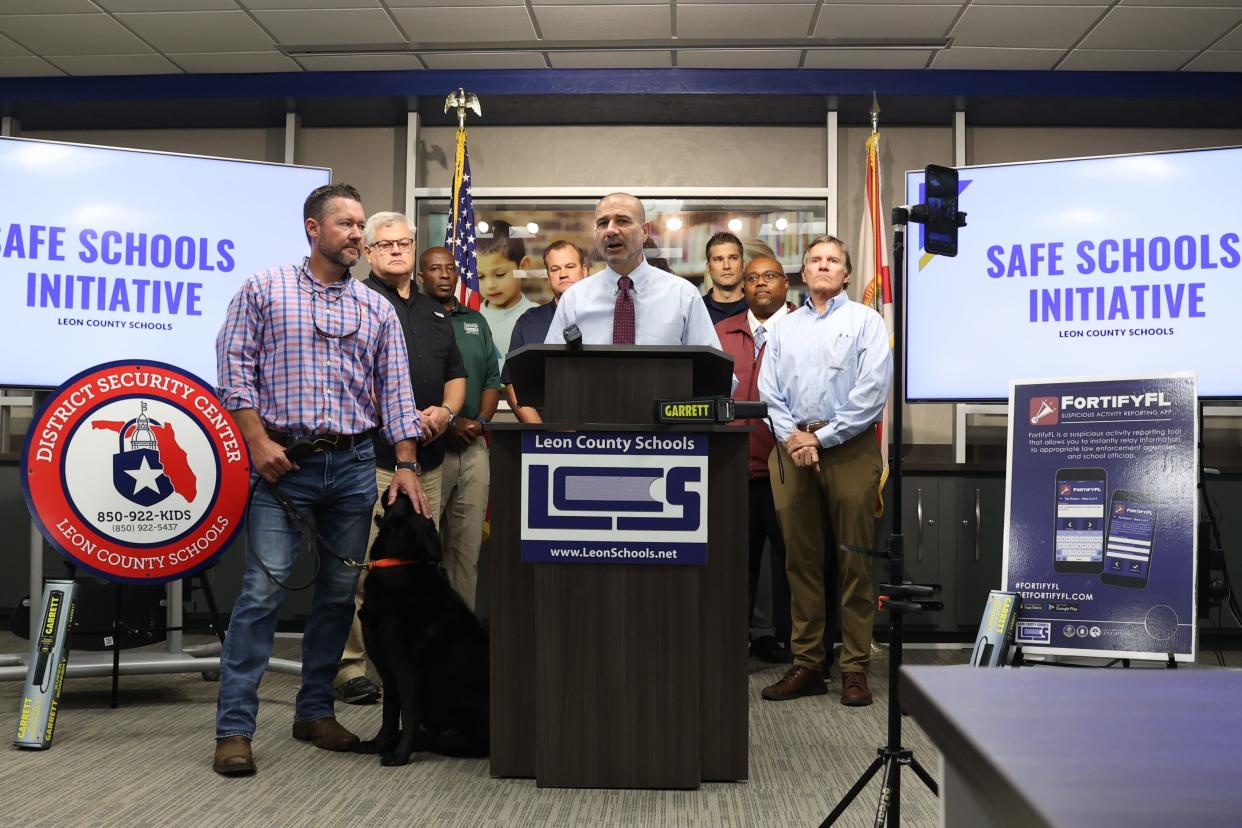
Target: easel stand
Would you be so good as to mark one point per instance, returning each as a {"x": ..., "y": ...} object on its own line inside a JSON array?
[
  {"x": 899, "y": 598},
  {"x": 121, "y": 628},
  {"x": 174, "y": 659}
]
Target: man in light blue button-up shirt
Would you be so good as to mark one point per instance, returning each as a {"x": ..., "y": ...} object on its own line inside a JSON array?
[{"x": 825, "y": 379}]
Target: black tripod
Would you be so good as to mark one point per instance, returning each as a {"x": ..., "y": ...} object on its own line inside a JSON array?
[{"x": 899, "y": 597}]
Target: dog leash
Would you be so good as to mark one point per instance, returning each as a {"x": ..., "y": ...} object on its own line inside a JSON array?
[{"x": 310, "y": 533}]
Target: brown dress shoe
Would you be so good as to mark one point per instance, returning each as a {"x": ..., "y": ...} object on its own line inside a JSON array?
[
  {"x": 233, "y": 757},
  {"x": 798, "y": 681},
  {"x": 326, "y": 733},
  {"x": 854, "y": 691}
]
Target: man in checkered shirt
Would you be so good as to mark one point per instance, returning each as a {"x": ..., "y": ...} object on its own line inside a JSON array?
[{"x": 305, "y": 357}]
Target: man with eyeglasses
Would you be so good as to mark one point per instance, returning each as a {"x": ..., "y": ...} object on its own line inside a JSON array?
[
  {"x": 467, "y": 474},
  {"x": 825, "y": 379},
  {"x": 304, "y": 357},
  {"x": 726, "y": 297},
  {"x": 744, "y": 337},
  {"x": 438, "y": 377},
  {"x": 565, "y": 265}
]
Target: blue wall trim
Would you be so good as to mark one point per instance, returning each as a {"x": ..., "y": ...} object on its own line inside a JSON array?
[{"x": 629, "y": 82}]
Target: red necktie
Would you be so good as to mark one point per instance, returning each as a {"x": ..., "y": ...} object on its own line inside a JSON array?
[{"x": 623, "y": 314}]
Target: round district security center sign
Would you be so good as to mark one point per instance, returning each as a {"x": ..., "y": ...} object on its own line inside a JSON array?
[{"x": 135, "y": 471}]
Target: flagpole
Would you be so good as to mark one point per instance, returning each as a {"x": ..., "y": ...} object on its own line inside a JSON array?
[{"x": 459, "y": 235}]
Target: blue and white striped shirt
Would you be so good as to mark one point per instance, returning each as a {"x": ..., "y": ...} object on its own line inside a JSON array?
[
  {"x": 311, "y": 358},
  {"x": 835, "y": 366}
]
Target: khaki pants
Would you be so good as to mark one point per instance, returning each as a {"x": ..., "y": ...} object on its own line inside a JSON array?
[
  {"x": 846, "y": 488},
  {"x": 463, "y": 506},
  {"x": 354, "y": 657}
]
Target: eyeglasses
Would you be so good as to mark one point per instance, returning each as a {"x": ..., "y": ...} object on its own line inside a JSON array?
[
  {"x": 336, "y": 320},
  {"x": 766, "y": 277},
  {"x": 404, "y": 245}
]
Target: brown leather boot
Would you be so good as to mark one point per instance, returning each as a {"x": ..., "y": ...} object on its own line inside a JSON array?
[
  {"x": 326, "y": 733},
  {"x": 798, "y": 681},
  {"x": 233, "y": 757},
  {"x": 854, "y": 690}
]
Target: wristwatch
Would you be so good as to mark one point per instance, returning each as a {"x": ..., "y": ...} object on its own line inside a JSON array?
[
  {"x": 412, "y": 466},
  {"x": 452, "y": 415},
  {"x": 482, "y": 421}
]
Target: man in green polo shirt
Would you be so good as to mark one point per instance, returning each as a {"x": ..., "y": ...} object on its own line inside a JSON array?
[{"x": 466, "y": 473}]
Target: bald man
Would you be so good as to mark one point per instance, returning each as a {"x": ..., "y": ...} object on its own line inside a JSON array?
[{"x": 630, "y": 302}]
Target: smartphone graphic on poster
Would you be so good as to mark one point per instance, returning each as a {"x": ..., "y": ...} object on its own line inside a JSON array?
[
  {"x": 1131, "y": 533},
  {"x": 1078, "y": 538}
]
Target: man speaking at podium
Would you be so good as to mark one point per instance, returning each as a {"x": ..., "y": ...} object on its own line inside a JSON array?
[
  {"x": 825, "y": 379},
  {"x": 630, "y": 302}
]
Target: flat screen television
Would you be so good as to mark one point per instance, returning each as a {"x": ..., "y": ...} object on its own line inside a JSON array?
[
  {"x": 114, "y": 254},
  {"x": 1123, "y": 264}
]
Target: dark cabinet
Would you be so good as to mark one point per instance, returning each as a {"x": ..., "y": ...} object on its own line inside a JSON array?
[{"x": 980, "y": 524}]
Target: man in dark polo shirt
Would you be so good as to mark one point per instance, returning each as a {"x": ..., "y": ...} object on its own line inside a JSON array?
[
  {"x": 467, "y": 470},
  {"x": 438, "y": 377},
  {"x": 565, "y": 264},
  {"x": 724, "y": 265}
]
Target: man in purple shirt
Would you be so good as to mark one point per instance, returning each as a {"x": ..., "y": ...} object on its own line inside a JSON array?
[{"x": 305, "y": 355}]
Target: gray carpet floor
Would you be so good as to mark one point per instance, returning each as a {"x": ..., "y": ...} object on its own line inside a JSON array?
[{"x": 148, "y": 763}]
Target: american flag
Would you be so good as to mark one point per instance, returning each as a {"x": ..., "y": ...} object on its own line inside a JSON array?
[{"x": 459, "y": 237}]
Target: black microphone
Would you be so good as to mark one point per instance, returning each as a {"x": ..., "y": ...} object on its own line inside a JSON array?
[{"x": 573, "y": 337}]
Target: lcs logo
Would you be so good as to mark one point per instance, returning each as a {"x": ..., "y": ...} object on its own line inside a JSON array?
[{"x": 576, "y": 498}]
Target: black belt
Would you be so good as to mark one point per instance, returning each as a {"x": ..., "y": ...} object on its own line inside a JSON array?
[
  {"x": 812, "y": 426},
  {"x": 321, "y": 442}
]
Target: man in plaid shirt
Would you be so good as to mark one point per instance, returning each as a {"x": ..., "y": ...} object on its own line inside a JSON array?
[{"x": 305, "y": 355}]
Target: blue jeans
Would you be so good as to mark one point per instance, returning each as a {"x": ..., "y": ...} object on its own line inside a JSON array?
[{"x": 337, "y": 490}]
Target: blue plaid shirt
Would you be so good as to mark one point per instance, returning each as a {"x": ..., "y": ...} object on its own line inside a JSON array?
[{"x": 313, "y": 358}]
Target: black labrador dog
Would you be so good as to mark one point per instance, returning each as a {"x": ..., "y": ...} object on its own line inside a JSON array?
[{"x": 429, "y": 648}]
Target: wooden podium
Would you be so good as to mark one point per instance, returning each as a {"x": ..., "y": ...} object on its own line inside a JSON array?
[{"x": 610, "y": 675}]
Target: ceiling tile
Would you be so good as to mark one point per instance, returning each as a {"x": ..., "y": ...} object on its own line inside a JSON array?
[
  {"x": 10, "y": 49},
  {"x": 857, "y": 21},
  {"x": 742, "y": 20},
  {"x": 738, "y": 58},
  {"x": 47, "y": 7},
  {"x": 70, "y": 34},
  {"x": 1161, "y": 28},
  {"x": 605, "y": 22},
  {"x": 485, "y": 60},
  {"x": 267, "y": 5},
  {"x": 232, "y": 62},
  {"x": 1126, "y": 60},
  {"x": 957, "y": 3},
  {"x": 1216, "y": 61},
  {"x": 1041, "y": 3},
  {"x": 360, "y": 63},
  {"x": 148, "y": 64},
  {"x": 1025, "y": 26},
  {"x": 1230, "y": 42},
  {"x": 163, "y": 5},
  {"x": 212, "y": 31},
  {"x": 867, "y": 58},
  {"x": 473, "y": 25},
  {"x": 414, "y": 4},
  {"x": 611, "y": 60},
  {"x": 26, "y": 67},
  {"x": 1216, "y": 3},
  {"x": 539, "y": 3},
  {"x": 334, "y": 27},
  {"x": 975, "y": 57}
]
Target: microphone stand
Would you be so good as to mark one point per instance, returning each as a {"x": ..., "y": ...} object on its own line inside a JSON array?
[{"x": 898, "y": 593}]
